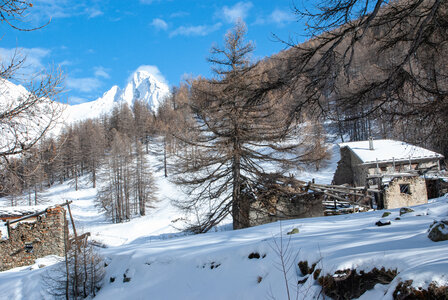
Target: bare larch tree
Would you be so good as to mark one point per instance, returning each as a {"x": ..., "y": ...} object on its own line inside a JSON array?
[
  {"x": 240, "y": 135},
  {"x": 25, "y": 115}
]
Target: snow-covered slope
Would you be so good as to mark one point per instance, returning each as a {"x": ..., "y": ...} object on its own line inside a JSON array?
[
  {"x": 218, "y": 265},
  {"x": 245, "y": 264},
  {"x": 24, "y": 116},
  {"x": 142, "y": 86},
  {"x": 165, "y": 264}
]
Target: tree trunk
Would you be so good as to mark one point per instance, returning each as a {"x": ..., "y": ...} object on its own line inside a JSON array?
[
  {"x": 164, "y": 158},
  {"x": 76, "y": 178},
  {"x": 240, "y": 210},
  {"x": 94, "y": 176}
]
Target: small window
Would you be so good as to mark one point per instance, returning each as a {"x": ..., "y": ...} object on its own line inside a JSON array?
[
  {"x": 405, "y": 189},
  {"x": 29, "y": 247}
]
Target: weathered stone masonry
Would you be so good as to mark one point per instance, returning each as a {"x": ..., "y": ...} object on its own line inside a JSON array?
[{"x": 28, "y": 241}]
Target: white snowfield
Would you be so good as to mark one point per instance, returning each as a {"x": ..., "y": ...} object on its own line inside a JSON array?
[
  {"x": 28, "y": 122},
  {"x": 217, "y": 266},
  {"x": 389, "y": 150}
]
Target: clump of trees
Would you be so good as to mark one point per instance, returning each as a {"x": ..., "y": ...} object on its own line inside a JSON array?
[
  {"x": 111, "y": 148},
  {"x": 26, "y": 114},
  {"x": 128, "y": 186},
  {"x": 376, "y": 68}
]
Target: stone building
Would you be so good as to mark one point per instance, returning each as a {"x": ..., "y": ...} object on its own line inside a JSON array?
[
  {"x": 32, "y": 237},
  {"x": 397, "y": 170},
  {"x": 405, "y": 191}
]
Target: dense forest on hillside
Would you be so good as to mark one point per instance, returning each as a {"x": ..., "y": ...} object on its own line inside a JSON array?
[{"x": 374, "y": 68}]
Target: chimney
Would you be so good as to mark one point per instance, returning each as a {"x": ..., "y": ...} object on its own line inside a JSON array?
[{"x": 371, "y": 143}]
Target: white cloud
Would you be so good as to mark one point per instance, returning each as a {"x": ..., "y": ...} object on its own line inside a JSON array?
[
  {"x": 259, "y": 21},
  {"x": 93, "y": 12},
  {"x": 85, "y": 85},
  {"x": 200, "y": 30},
  {"x": 88, "y": 84},
  {"x": 148, "y": 1},
  {"x": 153, "y": 70},
  {"x": 66, "y": 63},
  {"x": 45, "y": 10},
  {"x": 159, "y": 24},
  {"x": 34, "y": 59},
  {"x": 281, "y": 17},
  {"x": 101, "y": 72},
  {"x": 238, "y": 11},
  {"x": 179, "y": 14},
  {"x": 76, "y": 100}
]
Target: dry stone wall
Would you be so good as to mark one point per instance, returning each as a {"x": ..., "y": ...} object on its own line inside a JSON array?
[
  {"x": 283, "y": 207},
  {"x": 395, "y": 198},
  {"x": 31, "y": 240}
]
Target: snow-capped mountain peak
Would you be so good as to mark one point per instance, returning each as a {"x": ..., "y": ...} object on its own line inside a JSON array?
[
  {"x": 142, "y": 76},
  {"x": 142, "y": 86},
  {"x": 113, "y": 93}
]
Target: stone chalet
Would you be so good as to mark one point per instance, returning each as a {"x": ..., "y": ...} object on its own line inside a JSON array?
[{"x": 398, "y": 170}]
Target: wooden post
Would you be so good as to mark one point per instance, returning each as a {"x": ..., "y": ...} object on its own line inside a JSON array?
[
  {"x": 75, "y": 267},
  {"x": 71, "y": 220},
  {"x": 67, "y": 269},
  {"x": 9, "y": 229},
  {"x": 377, "y": 167}
]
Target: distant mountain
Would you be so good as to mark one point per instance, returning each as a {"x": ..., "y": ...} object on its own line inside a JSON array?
[
  {"x": 142, "y": 86},
  {"x": 23, "y": 117}
]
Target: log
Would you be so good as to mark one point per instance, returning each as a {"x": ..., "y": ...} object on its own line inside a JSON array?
[
  {"x": 345, "y": 200},
  {"x": 38, "y": 213},
  {"x": 347, "y": 192}
]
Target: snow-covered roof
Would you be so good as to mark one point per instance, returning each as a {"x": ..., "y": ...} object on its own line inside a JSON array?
[
  {"x": 388, "y": 151},
  {"x": 18, "y": 211}
]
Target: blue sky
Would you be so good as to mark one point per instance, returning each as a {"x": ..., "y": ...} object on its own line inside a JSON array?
[{"x": 99, "y": 44}]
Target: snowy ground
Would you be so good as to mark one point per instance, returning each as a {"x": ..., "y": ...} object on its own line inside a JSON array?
[{"x": 164, "y": 264}]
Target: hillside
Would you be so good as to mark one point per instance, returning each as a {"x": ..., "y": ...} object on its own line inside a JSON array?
[{"x": 163, "y": 263}]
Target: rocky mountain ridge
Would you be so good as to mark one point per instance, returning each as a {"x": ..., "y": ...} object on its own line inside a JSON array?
[{"x": 141, "y": 86}]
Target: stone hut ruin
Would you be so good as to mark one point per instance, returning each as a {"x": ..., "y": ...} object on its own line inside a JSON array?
[
  {"x": 402, "y": 174},
  {"x": 283, "y": 198},
  {"x": 31, "y": 236},
  {"x": 405, "y": 191}
]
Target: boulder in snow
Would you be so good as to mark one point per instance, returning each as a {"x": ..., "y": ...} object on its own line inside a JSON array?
[
  {"x": 386, "y": 214},
  {"x": 438, "y": 231},
  {"x": 405, "y": 210},
  {"x": 382, "y": 223}
]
